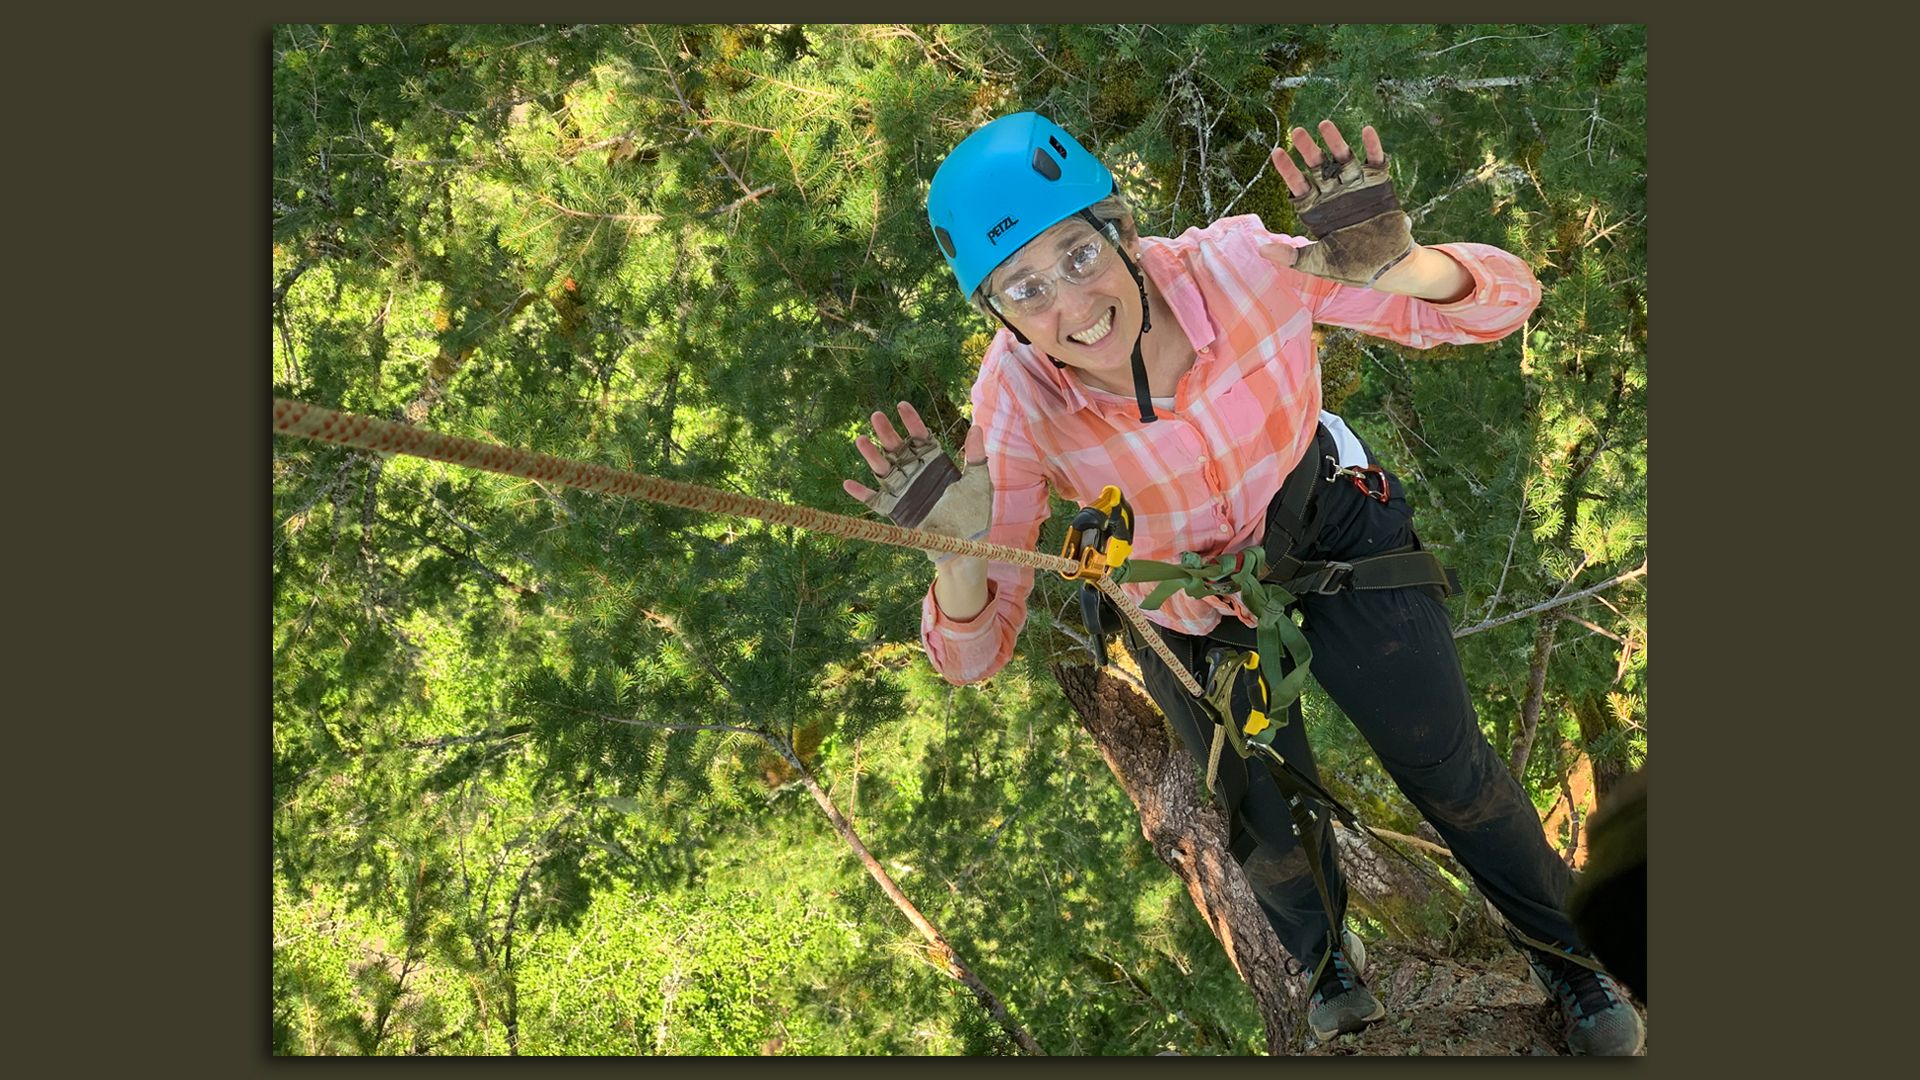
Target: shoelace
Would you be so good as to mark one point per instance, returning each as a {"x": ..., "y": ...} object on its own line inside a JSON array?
[
  {"x": 1337, "y": 979},
  {"x": 1582, "y": 994}
]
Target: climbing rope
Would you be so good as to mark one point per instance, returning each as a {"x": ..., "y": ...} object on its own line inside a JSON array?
[{"x": 368, "y": 433}]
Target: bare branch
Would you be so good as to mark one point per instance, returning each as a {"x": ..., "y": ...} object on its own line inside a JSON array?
[
  {"x": 645, "y": 220},
  {"x": 445, "y": 741},
  {"x": 1518, "y": 519},
  {"x": 1535, "y": 696},
  {"x": 1479, "y": 176},
  {"x": 751, "y": 196},
  {"x": 1639, "y": 571},
  {"x": 658, "y": 725},
  {"x": 1416, "y": 88},
  {"x": 1484, "y": 37},
  {"x": 1424, "y": 845},
  {"x": 1081, "y": 639},
  {"x": 1593, "y": 626}
]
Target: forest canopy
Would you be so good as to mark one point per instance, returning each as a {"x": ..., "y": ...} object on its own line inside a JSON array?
[{"x": 548, "y": 766}]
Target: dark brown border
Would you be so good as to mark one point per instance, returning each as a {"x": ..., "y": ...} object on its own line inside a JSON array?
[{"x": 168, "y": 955}]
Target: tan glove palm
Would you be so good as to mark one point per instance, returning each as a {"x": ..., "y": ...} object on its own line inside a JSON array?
[
  {"x": 920, "y": 487},
  {"x": 1347, "y": 204}
]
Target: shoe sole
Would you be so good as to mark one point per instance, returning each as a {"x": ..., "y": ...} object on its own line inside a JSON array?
[
  {"x": 1357, "y": 954},
  {"x": 1379, "y": 1012}
]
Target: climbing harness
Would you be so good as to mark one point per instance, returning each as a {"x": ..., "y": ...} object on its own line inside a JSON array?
[{"x": 1246, "y": 705}]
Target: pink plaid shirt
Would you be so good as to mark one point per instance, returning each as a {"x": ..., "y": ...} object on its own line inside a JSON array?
[{"x": 1199, "y": 478}]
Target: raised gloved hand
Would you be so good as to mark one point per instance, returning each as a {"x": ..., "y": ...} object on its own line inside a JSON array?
[
  {"x": 1347, "y": 204},
  {"x": 920, "y": 487}
]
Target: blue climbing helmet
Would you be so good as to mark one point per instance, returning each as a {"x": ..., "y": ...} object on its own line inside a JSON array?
[
  {"x": 1005, "y": 184},
  {"x": 1008, "y": 182}
]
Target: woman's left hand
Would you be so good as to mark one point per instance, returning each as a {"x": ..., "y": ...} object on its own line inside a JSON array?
[
  {"x": 1297, "y": 185},
  {"x": 1350, "y": 208}
]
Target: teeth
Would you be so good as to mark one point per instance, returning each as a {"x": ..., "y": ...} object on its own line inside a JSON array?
[{"x": 1093, "y": 335}]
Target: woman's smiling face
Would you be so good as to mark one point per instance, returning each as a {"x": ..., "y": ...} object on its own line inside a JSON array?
[{"x": 1091, "y": 325}]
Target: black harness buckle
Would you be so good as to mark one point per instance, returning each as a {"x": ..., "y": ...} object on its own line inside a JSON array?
[{"x": 1325, "y": 580}]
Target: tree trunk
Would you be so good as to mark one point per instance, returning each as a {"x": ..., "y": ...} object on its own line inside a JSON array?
[
  {"x": 1386, "y": 888},
  {"x": 1189, "y": 835},
  {"x": 941, "y": 951},
  {"x": 1597, "y": 729},
  {"x": 1536, "y": 694}
]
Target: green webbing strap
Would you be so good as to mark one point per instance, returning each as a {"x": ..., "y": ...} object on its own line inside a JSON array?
[
  {"x": 1275, "y": 633},
  {"x": 1407, "y": 568},
  {"x": 1517, "y": 937},
  {"x": 1398, "y": 571}
]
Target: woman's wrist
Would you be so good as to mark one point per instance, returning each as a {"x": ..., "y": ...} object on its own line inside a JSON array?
[
  {"x": 1428, "y": 274},
  {"x": 960, "y": 587}
]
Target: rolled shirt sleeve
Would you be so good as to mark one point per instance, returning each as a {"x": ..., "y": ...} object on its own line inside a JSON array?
[{"x": 1505, "y": 292}]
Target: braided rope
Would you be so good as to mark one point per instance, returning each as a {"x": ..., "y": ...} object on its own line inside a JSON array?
[
  {"x": 368, "y": 433},
  {"x": 1154, "y": 641}
]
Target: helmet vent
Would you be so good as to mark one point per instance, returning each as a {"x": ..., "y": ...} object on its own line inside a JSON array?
[
  {"x": 1045, "y": 165},
  {"x": 946, "y": 241},
  {"x": 1057, "y": 148}
]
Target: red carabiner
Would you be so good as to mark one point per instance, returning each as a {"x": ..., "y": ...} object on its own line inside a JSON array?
[
  {"x": 1360, "y": 477},
  {"x": 1359, "y": 474}
]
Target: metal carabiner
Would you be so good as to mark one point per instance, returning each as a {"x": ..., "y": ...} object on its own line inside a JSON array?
[{"x": 1360, "y": 474}]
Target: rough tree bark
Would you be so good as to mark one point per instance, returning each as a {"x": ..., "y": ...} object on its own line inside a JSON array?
[
  {"x": 1598, "y": 727},
  {"x": 1190, "y": 836}
]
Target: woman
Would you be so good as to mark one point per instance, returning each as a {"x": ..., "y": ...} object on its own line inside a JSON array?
[{"x": 1183, "y": 371}]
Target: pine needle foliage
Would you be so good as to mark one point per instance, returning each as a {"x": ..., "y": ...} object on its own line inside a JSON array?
[{"x": 526, "y": 796}]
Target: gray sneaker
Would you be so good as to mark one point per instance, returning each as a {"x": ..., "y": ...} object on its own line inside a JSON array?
[
  {"x": 1600, "y": 1020},
  {"x": 1341, "y": 1004}
]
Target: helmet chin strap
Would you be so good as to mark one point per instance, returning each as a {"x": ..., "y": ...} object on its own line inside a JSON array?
[{"x": 1141, "y": 393}]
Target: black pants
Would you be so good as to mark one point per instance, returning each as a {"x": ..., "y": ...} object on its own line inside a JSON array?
[{"x": 1386, "y": 658}]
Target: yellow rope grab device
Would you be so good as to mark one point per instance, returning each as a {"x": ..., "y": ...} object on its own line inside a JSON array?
[{"x": 1098, "y": 542}]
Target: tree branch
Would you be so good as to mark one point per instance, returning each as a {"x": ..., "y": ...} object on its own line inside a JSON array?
[
  {"x": 628, "y": 219},
  {"x": 1424, "y": 845},
  {"x": 1484, "y": 37},
  {"x": 1416, "y": 88},
  {"x": 1484, "y": 173},
  {"x": 458, "y": 740},
  {"x": 1639, "y": 571},
  {"x": 1536, "y": 695},
  {"x": 751, "y": 196}
]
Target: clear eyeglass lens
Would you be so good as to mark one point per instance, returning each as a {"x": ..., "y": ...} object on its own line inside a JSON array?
[
  {"x": 1083, "y": 262},
  {"x": 1033, "y": 293}
]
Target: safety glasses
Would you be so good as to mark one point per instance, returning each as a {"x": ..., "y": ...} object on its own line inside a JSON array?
[{"x": 1033, "y": 292}]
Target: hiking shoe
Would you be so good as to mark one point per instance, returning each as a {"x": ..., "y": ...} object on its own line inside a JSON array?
[
  {"x": 1341, "y": 1004},
  {"x": 1599, "y": 1018}
]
